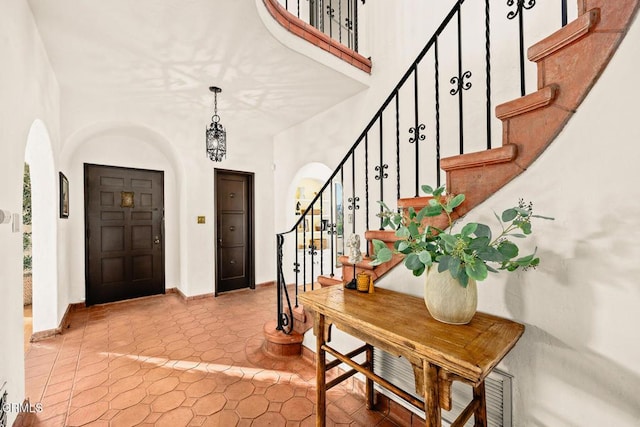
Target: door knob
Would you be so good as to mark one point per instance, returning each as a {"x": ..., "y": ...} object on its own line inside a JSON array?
[{"x": 156, "y": 240}]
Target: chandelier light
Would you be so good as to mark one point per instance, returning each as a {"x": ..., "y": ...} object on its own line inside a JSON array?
[{"x": 216, "y": 135}]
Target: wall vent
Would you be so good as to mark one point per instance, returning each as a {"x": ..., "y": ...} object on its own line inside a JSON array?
[{"x": 398, "y": 371}]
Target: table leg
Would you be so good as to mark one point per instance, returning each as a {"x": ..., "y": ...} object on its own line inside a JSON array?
[
  {"x": 480, "y": 415},
  {"x": 369, "y": 382},
  {"x": 431, "y": 395},
  {"x": 321, "y": 362}
]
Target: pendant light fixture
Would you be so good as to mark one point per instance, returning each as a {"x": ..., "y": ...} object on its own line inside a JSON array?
[{"x": 216, "y": 135}]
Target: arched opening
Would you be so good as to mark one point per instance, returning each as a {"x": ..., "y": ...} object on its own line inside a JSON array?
[{"x": 44, "y": 196}]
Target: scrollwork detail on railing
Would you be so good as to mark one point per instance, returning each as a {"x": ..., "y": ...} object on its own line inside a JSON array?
[
  {"x": 331, "y": 12},
  {"x": 460, "y": 83},
  {"x": 417, "y": 130},
  {"x": 332, "y": 229},
  {"x": 521, "y": 4},
  {"x": 381, "y": 172},
  {"x": 353, "y": 203},
  {"x": 285, "y": 321},
  {"x": 348, "y": 23}
]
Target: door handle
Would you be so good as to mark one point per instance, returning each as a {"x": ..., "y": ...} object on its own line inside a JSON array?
[{"x": 156, "y": 240}]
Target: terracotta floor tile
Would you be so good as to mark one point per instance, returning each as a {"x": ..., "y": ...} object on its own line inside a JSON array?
[
  {"x": 210, "y": 404},
  {"x": 128, "y": 399},
  {"x": 176, "y": 418},
  {"x": 87, "y": 414},
  {"x": 131, "y": 416},
  {"x": 168, "y": 401},
  {"x": 164, "y": 385},
  {"x": 160, "y": 361}
]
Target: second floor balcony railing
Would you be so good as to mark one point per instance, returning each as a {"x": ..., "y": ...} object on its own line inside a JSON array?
[{"x": 338, "y": 19}]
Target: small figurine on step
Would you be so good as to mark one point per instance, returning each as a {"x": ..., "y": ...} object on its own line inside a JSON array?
[{"x": 355, "y": 256}]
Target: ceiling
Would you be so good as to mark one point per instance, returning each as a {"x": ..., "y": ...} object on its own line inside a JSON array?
[{"x": 161, "y": 56}]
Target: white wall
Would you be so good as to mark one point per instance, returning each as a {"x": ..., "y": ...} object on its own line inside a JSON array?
[
  {"x": 29, "y": 91},
  {"x": 576, "y": 365}
]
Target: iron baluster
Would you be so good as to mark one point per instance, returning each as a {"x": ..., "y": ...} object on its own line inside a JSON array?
[
  {"x": 487, "y": 46},
  {"x": 381, "y": 168},
  {"x": 331, "y": 15},
  {"x": 340, "y": 21},
  {"x": 563, "y": 12},
  {"x": 366, "y": 183},
  {"x": 312, "y": 246},
  {"x": 437, "y": 95},
  {"x": 304, "y": 257},
  {"x": 459, "y": 83},
  {"x": 416, "y": 130},
  {"x": 321, "y": 233},
  {"x": 355, "y": 18},
  {"x": 331, "y": 231},
  {"x": 353, "y": 201},
  {"x": 521, "y": 6},
  {"x": 342, "y": 188},
  {"x": 348, "y": 24},
  {"x": 397, "y": 145}
]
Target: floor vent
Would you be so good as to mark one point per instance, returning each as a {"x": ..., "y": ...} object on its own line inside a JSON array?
[{"x": 398, "y": 371}]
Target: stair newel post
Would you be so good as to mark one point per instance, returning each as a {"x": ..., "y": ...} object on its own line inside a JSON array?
[
  {"x": 279, "y": 244},
  {"x": 281, "y": 291}
]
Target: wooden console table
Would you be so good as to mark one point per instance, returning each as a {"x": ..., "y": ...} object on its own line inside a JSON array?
[{"x": 401, "y": 325}]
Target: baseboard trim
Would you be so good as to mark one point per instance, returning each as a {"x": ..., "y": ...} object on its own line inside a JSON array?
[{"x": 64, "y": 324}]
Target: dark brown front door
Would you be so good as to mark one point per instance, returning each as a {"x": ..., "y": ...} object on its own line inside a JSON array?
[
  {"x": 234, "y": 230},
  {"x": 124, "y": 213}
]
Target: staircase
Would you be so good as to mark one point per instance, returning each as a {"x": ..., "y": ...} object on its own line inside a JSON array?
[{"x": 569, "y": 62}]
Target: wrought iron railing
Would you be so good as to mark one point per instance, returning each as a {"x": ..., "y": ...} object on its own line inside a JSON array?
[
  {"x": 336, "y": 18},
  {"x": 431, "y": 114}
]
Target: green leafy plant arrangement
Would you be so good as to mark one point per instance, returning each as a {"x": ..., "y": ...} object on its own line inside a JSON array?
[{"x": 467, "y": 254}]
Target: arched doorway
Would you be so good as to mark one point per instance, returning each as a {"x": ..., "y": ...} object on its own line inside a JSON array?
[{"x": 44, "y": 197}]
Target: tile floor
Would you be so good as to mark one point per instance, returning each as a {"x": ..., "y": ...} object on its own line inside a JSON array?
[{"x": 162, "y": 361}]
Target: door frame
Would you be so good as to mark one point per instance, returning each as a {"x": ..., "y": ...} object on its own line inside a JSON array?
[
  {"x": 88, "y": 301},
  {"x": 251, "y": 226}
]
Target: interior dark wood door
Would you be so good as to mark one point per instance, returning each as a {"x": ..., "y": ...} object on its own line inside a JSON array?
[
  {"x": 124, "y": 214},
  {"x": 234, "y": 230}
]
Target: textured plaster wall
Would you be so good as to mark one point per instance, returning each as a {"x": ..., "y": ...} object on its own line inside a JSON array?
[{"x": 29, "y": 91}]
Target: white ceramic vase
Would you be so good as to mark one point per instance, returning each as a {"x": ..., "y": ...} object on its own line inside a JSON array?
[{"x": 447, "y": 300}]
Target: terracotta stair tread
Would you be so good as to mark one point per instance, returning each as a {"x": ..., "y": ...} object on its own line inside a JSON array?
[
  {"x": 564, "y": 36},
  {"x": 539, "y": 99},
  {"x": 503, "y": 154}
]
